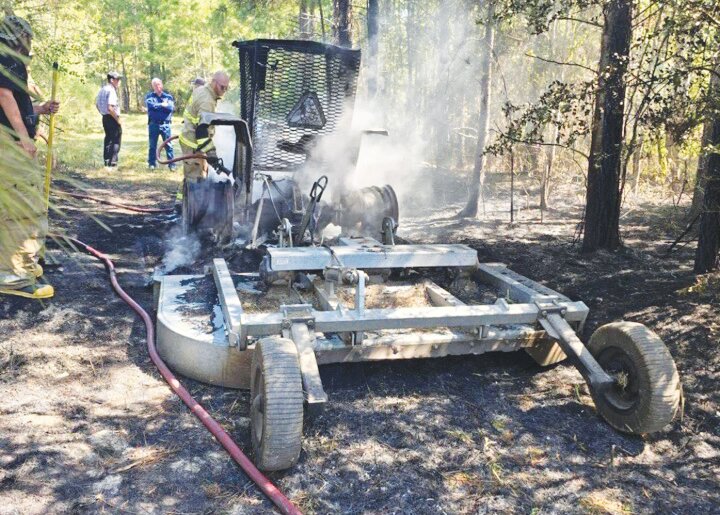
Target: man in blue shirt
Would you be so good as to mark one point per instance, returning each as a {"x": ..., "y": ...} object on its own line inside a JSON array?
[{"x": 160, "y": 106}]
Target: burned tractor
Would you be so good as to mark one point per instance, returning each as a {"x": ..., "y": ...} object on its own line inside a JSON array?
[
  {"x": 364, "y": 295},
  {"x": 293, "y": 95}
]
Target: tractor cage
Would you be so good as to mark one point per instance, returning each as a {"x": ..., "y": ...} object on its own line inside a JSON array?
[{"x": 292, "y": 92}]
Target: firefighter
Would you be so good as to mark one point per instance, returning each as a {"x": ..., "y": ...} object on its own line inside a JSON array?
[
  {"x": 23, "y": 217},
  {"x": 196, "y": 138}
]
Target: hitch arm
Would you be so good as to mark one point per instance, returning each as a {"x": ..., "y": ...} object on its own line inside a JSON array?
[{"x": 558, "y": 328}]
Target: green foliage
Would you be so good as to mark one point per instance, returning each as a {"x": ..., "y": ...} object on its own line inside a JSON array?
[
  {"x": 675, "y": 48},
  {"x": 544, "y": 76},
  {"x": 175, "y": 40}
]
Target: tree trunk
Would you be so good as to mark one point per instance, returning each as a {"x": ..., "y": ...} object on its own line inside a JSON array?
[
  {"x": 478, "y": 177},
  {"x": 547, "y": 170},
  {"x": 662, "y": 157},
  {"x": 441, "y": 107},
  {"x": 706, "y": 256},
  {"x": 672, "y": 152},
  {"x": 602, "y": 210},
  {"x": 637, "y": 154},
  {"x": 410, "y": 95},
  {"x": 305, "y": 19},
  {"x": 551, "y": 150},
  {"x": 151, "y": 51},
  {"x": 342, "y": 16},
  {"x": 701, "y": 175},
  {"x": 372, "y": 63}
]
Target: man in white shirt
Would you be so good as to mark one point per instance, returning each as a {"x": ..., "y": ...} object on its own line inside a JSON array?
[{"x": 108, "y": 106}]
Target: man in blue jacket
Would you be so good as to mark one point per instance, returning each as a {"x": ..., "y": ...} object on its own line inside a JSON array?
[{"x": 160, "y": 106}]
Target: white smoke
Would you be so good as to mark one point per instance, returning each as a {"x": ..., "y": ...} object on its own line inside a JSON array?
[
  {"x": 181, "y": 250},
  {"x": 224, "y": 141},
  {"x": 352, "y": 159}
]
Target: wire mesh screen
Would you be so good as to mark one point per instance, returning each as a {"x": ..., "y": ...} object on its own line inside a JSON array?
[{"x": 291, "y": 92}]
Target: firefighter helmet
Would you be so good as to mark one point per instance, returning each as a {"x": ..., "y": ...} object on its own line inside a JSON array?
[{"x": 14, "y": 29}]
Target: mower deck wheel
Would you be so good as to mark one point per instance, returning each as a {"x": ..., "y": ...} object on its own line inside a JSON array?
[
  {"x": 646, "y": 394},
  {"x": 276, "y": 404}
]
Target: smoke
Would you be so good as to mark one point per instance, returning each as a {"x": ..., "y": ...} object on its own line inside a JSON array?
[
  {"x": 181, "y": 250},
  {"x": 362, "y": 153},
  {"x": 427, "y": 77},
  {"x": 224, "y": 140}
]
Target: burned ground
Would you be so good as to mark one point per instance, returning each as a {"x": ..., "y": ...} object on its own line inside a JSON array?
[{"x": 88, "y": 425}]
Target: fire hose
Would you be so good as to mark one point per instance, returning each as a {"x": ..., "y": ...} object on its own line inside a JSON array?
[
  {"x": 215, "y": 161},
  {"x": 117, "y": 204},
  {"x": 265, "y": 485}
]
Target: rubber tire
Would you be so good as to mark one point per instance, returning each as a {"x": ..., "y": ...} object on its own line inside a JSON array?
[
  {"x": 276, "y": 404},
  {"x": 654, "y": 389}
]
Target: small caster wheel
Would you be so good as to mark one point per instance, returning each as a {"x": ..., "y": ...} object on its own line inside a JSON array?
[{"x": 646, "y": 394}]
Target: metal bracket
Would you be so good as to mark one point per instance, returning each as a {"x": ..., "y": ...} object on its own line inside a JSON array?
[
  {"x": 297, "y": 313},
  {"x": 549, "y": 307},
  {"x": 284, "y": 232},
  {"x": 388, "y": 229},
  {"x": 550, "y": 316}
]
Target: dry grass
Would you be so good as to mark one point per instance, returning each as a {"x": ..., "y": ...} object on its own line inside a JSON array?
[
  {"x": 388, "y": 295},
  {"x": 462, "y": 479},
  {"x": 306, "y": 502},
  {"x": 143, "y": 457},
  {"x": 461, "y": 436},
  {"x": 535, "y": 456},
  {"x": 604, "y": 503},
  {"x": 11, "y": 363},
  {"x": 230, "y": 498},
  {"x": 497, "y": 473}
]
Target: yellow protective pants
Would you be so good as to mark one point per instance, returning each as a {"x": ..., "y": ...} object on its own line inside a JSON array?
[
  {"x": 23, "y": 228},
  {"x": 193, "y": 168}
]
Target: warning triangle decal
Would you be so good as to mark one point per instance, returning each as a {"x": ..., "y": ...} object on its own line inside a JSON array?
[{"x": 307, "y": 112}]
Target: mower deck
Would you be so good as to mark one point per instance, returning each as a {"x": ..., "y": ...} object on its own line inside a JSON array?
[{"x": 208, "y": 325}]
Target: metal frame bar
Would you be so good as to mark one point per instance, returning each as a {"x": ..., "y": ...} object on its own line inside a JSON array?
[
  {"x": 305, "y": 342},
  {"x": 371, "y": 255},
  {"x": 553, "y": 311},
  {"x": 428, "y": 345},
  {"x": 519, "y": 288},
  {"x": 441, "y": 297},
  {"x": 558, "y": 328},
  {"x": 261, "y": 324},
  {"x": 229, "y": 302}
]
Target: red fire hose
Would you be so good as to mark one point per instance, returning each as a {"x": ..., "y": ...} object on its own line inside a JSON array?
[
  {"x": 269, "y": 489},
  {"x": 116, "y": 204},
  {"x": 199, "y": 155}
]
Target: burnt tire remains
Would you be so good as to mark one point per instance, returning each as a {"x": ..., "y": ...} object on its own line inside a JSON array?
[
  {"x": 276, "y": 404},
  {"x": 646, "y": 394}
]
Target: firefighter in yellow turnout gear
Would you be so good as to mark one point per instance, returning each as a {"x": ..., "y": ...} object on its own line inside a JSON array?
[
  {"x": 196, "y": 138},
  {"x": 23, "y": 216}
]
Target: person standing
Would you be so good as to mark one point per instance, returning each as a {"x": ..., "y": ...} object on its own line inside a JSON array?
[
  {"x": 160, "y": 106},
  {"x": 23, "y": 215},
  {"x": 108, "y": 105},
  {"x": 195, "y": 137}
]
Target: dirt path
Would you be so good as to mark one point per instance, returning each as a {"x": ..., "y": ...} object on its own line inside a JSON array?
[{"x": 88, "y": 425}]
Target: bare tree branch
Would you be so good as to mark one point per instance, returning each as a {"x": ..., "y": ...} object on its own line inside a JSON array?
[
  {"x": 561, "y": 63},
  {"x": 544, "y": 144},
  {"x": 578, "y": 20}
]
